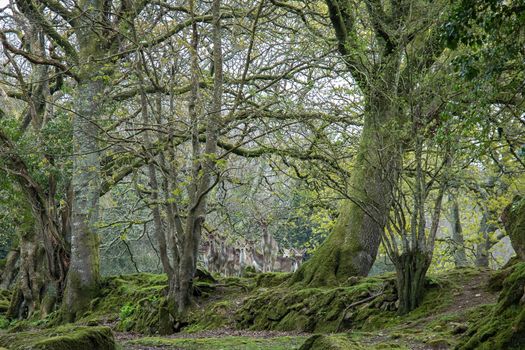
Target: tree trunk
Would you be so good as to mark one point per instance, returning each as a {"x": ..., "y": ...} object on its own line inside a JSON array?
[
  {"x": 484, "y": 245},
  {"x": 84, "y": 276},
  {"x": 411, "y": 268},
  {"x": 351, "y": 248},
  {"x": 203, "y": 164},
  {"x": 43, "y": 250},
  {"x": 460, "y": 256},
  {"x": 37, "y": 290},
  {"x": 11, "y": 268}
]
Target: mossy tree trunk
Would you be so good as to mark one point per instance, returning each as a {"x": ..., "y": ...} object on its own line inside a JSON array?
[
  {"x": 44, "y": 260},
  {"x": 351, "y": 248},
  {"x": 84, "y": 275},
  {"x": 83, "y": 279},
  {"x": 44, "y": 254},
  {"x": 483, "y": 245}
]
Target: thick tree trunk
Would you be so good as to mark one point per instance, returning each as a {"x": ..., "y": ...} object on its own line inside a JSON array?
[
  {"x": 84, "y": 276},
  {"x": 351, "y": 248},
  {"x": 411, "y": 269},
  {"x": 38, "y": 289},
  {"x": 44, "y": 256}
]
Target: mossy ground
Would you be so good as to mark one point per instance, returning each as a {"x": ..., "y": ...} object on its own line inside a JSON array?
[
  {"x": 362, "y": 307},
  {"x": 60, "y": 338},
  {"x": 233, "y": 343}
]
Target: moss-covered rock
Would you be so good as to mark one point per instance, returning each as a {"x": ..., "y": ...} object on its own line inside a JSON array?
[
  {"x": 503, "y": 328},
  {"x": 330, "y": 342},
  {"x": 366, "y": 304},
  {"x": 137, "y": 303},
  {"x": 61, "y": 338},
  {"x": 314, "y": 309},
  {"x": 272, "y": 279},
  {"x": 140, "y": 294}
]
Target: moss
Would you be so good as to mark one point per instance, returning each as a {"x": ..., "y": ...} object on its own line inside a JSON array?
[
  {"x": 504, "y": 326},
  {"x": 272, "y": 279},
  {"x": 307, "y": 309},
  {"x": 61, "y": 338},
  {"x": 326, "y": 310},
  {"x": 514, "y": 220},
  {"x": 326, "y": 342},
  {"x": 343, "y": 342},
  {"x": 130, "y": 300},
  {"x": 4, "y": 322},
  {"x": 330, "y": 265},
  {"x": 233, "y": 343},
  {"x": 211, "y": 316}
]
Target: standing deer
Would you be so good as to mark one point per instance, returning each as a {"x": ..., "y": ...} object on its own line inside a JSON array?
[
  {"x": 252, "y": 257},
  {"x": 284, "y": 263},
  {"x": 298, "y": 257}
]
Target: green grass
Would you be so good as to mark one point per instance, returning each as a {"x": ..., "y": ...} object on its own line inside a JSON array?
[{"x": 226, "y": 343}]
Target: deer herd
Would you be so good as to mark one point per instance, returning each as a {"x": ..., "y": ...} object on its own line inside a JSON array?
[{"x": 217, "y": 256}]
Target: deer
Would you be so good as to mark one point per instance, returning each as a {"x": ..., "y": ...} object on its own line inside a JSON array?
[
  {"x": 210, "y": 254},
  {"x": 284, "y": 263},
  {"x": 252, "y": 257},
  {"x": 298, "y": 257}
]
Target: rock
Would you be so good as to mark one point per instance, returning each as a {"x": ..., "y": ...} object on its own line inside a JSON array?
[{"x": 62, "y": 338}]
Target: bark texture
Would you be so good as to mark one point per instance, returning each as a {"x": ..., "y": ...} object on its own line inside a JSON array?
[
  {"x": 84, "y": 274},
  {"x": 10, "y": 268}
]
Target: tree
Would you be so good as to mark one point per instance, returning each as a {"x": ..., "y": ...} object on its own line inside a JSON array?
[
  {"x": 388, "y": 50},
  {"x": 408, "y": 240}
]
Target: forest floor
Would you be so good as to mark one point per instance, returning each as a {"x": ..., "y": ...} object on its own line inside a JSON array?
[
  {"x": 438, "y": 328},
  {"x": 262, "y": 313}
]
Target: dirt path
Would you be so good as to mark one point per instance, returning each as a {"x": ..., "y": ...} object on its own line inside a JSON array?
[{"x": 468, "y": 295}]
